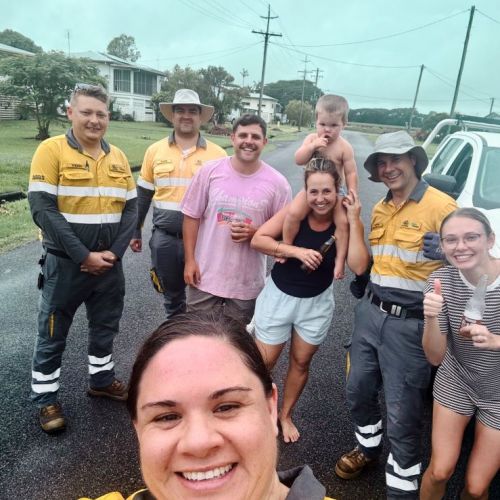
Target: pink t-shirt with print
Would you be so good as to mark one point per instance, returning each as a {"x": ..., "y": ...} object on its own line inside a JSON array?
[{"x": 217, "y": 195}]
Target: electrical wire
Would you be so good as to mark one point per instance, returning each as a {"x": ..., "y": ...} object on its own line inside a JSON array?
[
  {"x": 223, "y": 12},
  {"x": 316, "y": 56},
  {"x": 488, "y": 17},
  {"x": 385, "y": 37},
  {"x": 210, "y": 14}
]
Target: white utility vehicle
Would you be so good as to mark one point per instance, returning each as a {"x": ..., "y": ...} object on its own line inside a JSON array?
[{"x": 467, "y": 167}]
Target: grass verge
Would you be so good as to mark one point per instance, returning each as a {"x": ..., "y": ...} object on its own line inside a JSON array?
[
  {"x": 17, "y": 145},
  {"x": 16, "y": 225}
]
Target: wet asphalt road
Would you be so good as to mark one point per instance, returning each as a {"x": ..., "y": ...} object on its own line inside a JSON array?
[{"x": 97, "y": 453}]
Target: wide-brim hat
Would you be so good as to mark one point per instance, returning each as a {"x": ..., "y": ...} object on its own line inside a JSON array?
[
  {"x": 186, "y": 96},
  {"x": 396, "y": 143}
]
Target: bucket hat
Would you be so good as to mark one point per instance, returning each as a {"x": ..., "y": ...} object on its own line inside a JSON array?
[
  {"x": 186, "y": 96},
  {"x": 396, "y": 143}
]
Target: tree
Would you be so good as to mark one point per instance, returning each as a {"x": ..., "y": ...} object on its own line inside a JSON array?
[
  {"x": 224, "y": 95},
  {"x": 179, "y": 78},
  {"x": 292, "y": 111},
  {"x": 213, "y": 84},
  {"x": 44, "y": 82},
  {"x": 15, "y": 39},
  {"x": 124, "y": 46},
  {"x": 288, "y": 90}
]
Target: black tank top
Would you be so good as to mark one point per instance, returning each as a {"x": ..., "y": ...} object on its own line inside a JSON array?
[{"x": 290, "y": 279}]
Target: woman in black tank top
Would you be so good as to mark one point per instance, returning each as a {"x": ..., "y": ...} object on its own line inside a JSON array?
[{"x": 295, "y": 303}]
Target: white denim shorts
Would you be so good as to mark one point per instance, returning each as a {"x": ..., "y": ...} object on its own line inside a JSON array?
[{"x": 276, "y": 313}]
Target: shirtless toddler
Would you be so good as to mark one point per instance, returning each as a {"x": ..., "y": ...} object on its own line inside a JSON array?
[{"x": 331, "y": 118}]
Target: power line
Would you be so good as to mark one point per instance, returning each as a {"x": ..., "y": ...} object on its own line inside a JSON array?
[
  {"x": 201, "y": 54},
  {"x": 399, "y": 33},
  {"x": 224, "y": 13},
  {"x": 487, "y": 16},
  {"x": 210, "y": 14},
  {"x": 442, "y": 79},
  {"x": 344, "y": 62},
  {"x": 250, "y": 8}
]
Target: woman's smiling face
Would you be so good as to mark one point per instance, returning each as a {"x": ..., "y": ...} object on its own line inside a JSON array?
[
  {"x": 205, "y": 426},
  {"x": 465, "y": 243},
  {"x": 321, "y": 194}
]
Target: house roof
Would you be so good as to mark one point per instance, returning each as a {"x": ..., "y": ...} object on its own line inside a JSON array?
[
  {"x": 104, "y": 58},
  {"x": 256, "y": 95},
  {"x": 14, "y": 50}
]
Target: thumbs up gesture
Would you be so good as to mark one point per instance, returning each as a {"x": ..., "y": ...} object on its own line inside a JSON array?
[{"x": 433, "y": 301}]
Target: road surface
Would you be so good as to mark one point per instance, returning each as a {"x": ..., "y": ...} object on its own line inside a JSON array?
[{"x": 97, "y": 453}]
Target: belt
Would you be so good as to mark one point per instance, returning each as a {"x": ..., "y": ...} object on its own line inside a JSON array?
[
  {"x": 175, "y": 234},
  {"x": 58, "y": 253},
  {"x": 395, "y": 309}
]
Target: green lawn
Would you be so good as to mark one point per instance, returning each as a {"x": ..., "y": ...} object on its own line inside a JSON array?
[{"x": 17, "y": 145}]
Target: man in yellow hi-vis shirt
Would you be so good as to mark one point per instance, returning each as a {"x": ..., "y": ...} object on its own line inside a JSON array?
[
  {"x": 168, "y": 167},
  {"x": 83, "y": 198}
]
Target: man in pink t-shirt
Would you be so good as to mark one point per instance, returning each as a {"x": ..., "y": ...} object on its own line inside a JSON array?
[{"x": 227, "y": 200}]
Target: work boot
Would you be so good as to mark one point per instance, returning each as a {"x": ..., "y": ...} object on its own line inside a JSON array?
[
  {"x": 351, "y": 464},
  {"x": 52, "y": 418},
  {"x": 117, "y": 390}
]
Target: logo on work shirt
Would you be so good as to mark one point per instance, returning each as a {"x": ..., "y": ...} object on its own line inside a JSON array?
[
  {"x": 117, "y": 168},
  {"x": 79, "y": 166},
  {"x": 407, "y": 224},
  {"x": 37, "y": 177}
]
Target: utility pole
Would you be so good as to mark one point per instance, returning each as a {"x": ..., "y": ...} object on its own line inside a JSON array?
[
  {"x": 317, "y": 71},
  {"x": 303, "y": 88},
  {"x": 462, "y": 62},
  {"x": 69, "y": 44},
  {"x": 416, "y": 96},
  {"x": 491, "y": 106},
  {"x": 244, "y": 74},
  {"x": 266, "y": 34}
]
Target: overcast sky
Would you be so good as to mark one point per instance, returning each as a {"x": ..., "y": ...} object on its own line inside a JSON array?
[{"x": 370, "y": 51}]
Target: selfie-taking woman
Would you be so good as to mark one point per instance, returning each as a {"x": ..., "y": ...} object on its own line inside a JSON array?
[{"x": 204, "y": 409}]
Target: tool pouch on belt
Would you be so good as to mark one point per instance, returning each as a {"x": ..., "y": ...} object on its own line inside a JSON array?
[
  {"x": 157, "y": 284},
  {"x": 41, "y": 262}
]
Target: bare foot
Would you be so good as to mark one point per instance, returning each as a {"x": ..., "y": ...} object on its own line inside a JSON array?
[{"x": 290, "y": 433}]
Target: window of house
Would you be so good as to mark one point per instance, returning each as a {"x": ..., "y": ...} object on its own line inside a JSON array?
[
  {"x": 144, "y": 83},
  {"x": 121, "y": 80}
]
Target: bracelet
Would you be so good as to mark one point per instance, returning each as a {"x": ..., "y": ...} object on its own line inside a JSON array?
[{"x": 276, "y": 249}]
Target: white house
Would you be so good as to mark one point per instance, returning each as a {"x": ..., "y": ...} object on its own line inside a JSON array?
[
  {"x": 130, "y": 85},
  {"x": 8, "y": 104},
  {"x": 250, "y": 104}
]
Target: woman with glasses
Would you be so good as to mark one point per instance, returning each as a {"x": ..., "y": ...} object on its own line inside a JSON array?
[
  {"x": 468, "y": 379},
  {"x": 297, "y": 300}
]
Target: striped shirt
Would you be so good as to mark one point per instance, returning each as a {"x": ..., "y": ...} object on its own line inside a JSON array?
[{"x": 478, "y": 368}]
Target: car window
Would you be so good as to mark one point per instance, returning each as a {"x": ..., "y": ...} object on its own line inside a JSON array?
[
  {"x": 460, "y": 168},
  {"x": 442, "y": 158},
  {"x": 487, "y": 192}
]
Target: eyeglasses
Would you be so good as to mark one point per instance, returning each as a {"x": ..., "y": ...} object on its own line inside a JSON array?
[{"x": 468, "y": 239}]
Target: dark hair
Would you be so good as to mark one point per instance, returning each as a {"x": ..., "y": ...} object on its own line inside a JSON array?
[
  {"x": 250, "y": 119},
  {"x": 335, "y": 104},
  {"x": 90, "y": 90},
  {"x": 187, "y": 325},
  {"x": 469, "y": 213},
  {"x": 323, "y": 165}
]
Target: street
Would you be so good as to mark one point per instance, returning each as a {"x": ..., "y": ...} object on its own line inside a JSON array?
[{"x": 97, "y": 453}]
